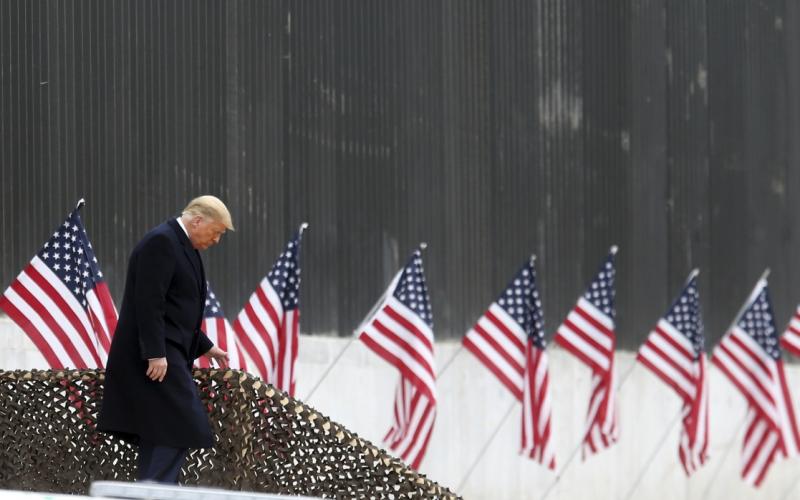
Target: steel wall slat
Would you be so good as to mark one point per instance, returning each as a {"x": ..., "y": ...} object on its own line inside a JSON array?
[{"x": 489, "y": 129}]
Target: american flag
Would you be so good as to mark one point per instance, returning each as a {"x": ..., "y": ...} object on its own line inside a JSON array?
[
  {"x": 675, "y": 352},
  {"x": 267, "y": 326},
  {"x": 414, "y": 416},
  {"x": 509, "y": 340},
  {"x": 791, "y": 337},
  {"x": 219, "y": 331},
  {"x": 62, "y": 302},
  {"x": 588, "y": 333},
  {"x": 750, "y": 356},
  {"x": 536, "y": 442},
  {"x": 498, "y": 340},
  {"x": 400, "y": 330}
]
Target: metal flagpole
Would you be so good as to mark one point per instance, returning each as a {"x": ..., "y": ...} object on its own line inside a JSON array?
[
  {"x": 747, "y": 302},
  {"x": 347, "y": 346},
  {"x": 370, "y": 314},
  {"x": 328, "y": 369},
  {"x": 653, "y": 455},
  {"x": 461, "y": 347},
  {"x": 722, "y": 459},
  {"x": 750, "y": 298},
  {"x": 613, "y": 250},
  {"x": 580, "y": 443},
  {"x": 485, "y": 447},
  {"x": 449, "y": 361},
  {"x": 496, "y": 430},
  {"x": 787, "y": 494},
  {"x": 622, "y": 381},
  {"x": 719, "y": 467},
  {"x": 663, "y": 440}
]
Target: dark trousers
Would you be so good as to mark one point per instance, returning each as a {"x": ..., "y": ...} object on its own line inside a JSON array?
[{"x": 160, "y": 463}]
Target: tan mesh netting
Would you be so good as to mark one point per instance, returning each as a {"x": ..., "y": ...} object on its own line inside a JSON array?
[{"x": 265, "y": 441}]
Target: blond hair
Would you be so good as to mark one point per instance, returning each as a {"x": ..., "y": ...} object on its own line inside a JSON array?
[{"x": 210, "y": 207}]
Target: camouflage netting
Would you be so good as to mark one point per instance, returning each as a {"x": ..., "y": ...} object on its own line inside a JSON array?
[{"x": 265, "y": 441}]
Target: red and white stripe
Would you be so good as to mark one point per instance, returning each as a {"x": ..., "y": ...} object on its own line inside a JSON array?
[
  {"x": 401, "y": 337},
  {"x": 771, "y": 426},
  {"x": 693, "y": 448},
  {"x": 791, "y": 337},
  {"x": 498, "y": 341},
  {"x": 102, "y": 315},
  {"x": 414, "y": 416},
  {"x": 268, "y": 336},
  {"x": 219, "y": 331},
  {"x": 65, "y": 333},
  {"x": 670, "y": 356},
  {"x": 287, "y": 351},
  {"x": 601, "y": 417},
  {"x": 588, "y": 334},
  {"x": 536, "y": 409}
]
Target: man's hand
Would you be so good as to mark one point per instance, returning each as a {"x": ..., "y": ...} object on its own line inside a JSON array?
[
  {"x": 218, "y": 355},
  {"x": 157, "y": 369}
]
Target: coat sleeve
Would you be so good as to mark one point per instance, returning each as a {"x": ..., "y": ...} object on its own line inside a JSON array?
[
  {"x": 204, "y": 345},
  {"x": 155, "y": 266}
]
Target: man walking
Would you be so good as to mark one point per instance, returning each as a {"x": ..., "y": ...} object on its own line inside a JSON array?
[{"x": 150, "y": 398}]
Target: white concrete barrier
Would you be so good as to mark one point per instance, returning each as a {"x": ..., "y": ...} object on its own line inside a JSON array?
[
  {"x": 154, "y": 491},
  {"x": 358, "y": 393}
]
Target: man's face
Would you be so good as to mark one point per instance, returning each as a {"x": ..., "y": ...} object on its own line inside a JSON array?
[{"x": 205, "y": 233}]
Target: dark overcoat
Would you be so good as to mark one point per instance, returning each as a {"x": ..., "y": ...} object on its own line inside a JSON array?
[{"x": 161, "y": 314}]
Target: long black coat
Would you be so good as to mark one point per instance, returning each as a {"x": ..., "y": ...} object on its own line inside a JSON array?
[{"x": 161, "y": 314}]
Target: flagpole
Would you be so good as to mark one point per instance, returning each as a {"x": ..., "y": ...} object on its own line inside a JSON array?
[
  {"x": 653, "y": 455},
  {"x": 622, "y": 381},
  {"x": 450, "y": 361},
  {"x": 789, "y": 490},
  {"x": 485, "y": 447},
  {"x": 580, "y": 443},
  {"x": 499, "y": 426},
  {"x": 347, "y": 346},
  {"x": 692, "y": 275},
  {"x": 747, "y": 302},
  {"x": 722, "y": 459},
  {"x": 329, "y": 368},
  {"x": 422, "y": 246},
  {"x": 80, "y": 203},
  {"x": 613, "y": 251}
]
